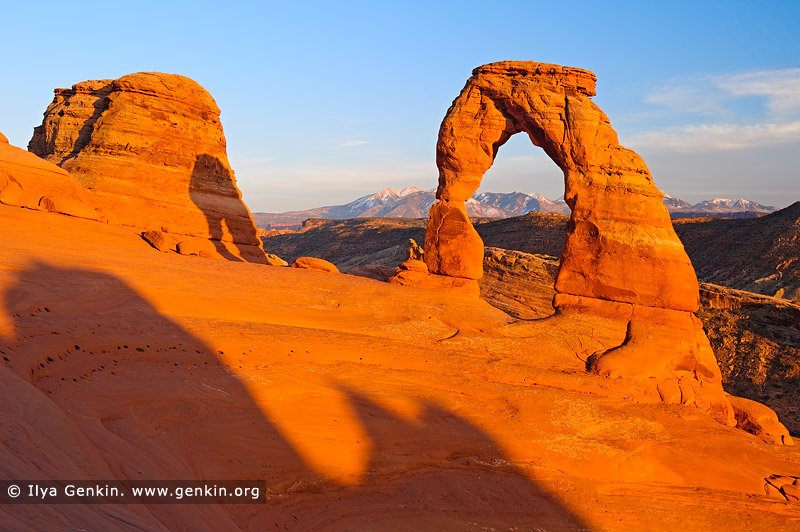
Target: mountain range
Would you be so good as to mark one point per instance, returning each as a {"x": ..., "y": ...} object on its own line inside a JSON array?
[{"x": 413, "y": 202}]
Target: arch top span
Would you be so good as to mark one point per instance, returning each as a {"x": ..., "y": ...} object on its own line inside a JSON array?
[{"x": 550, "y": 103}]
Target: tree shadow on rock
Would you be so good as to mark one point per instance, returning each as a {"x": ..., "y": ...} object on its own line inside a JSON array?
[
  {"x": 144, "y": 398},
  {"x": 441, "y": 472},
  {"x": 105, "y": 387}
]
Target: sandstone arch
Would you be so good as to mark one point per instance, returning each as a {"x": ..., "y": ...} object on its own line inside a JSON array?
[
  {"x": 621, "y": 257},
  {"x": 620, "y": 243}
]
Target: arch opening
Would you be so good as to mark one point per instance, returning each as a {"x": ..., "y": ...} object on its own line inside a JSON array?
[{"x": 519, "y": 166}]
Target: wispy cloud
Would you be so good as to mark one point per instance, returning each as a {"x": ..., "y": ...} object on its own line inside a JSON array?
[
  {"x": 779, "y": 88},
  {"x": 719, "y": 105},
  {"x": 352, "y": 143},
  {"x": 707, "y": 95},
  {"x": 718, "y": 137},
  {"x": 698, "y": 97}
]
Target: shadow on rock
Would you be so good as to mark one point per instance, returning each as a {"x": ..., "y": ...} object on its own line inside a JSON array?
[
  {"x": 213, "y": 190},
  {"x": 98, "y": 385}
]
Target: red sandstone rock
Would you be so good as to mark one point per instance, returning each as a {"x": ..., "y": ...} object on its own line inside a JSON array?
[
  {"x": 379, "y": 272},
  {"x": 460, "y": 285},
  {"x": 415, "y": 251},
  {"x": 196, "y": 246},
  {"x": 620, "y": 242},
  {"x": 621, "y": 259},
  {"x": 414, "y": 265},
  {"x": 783, "y": 486},
  {"x": 313, "y": 263},
  {"x": 760, "y": 420},
  {"x": 274, "y": 260},
  {"x": 27, "y": 181},
  {"x": 151, "y": 146},
  {"x": 452, "y": 246},
  {"x": 160, "y": 240}
]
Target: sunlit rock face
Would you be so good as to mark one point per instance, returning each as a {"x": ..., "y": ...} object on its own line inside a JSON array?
[
  {"x": 620, "y": 242},
  {"x": 621, "y": 257},
  {"x": 152, "y": 149},
  {"x": 27, "y": 181}
]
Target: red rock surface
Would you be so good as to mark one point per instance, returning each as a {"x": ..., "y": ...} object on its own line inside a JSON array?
[
  {"x": 358, "y": 404},
  {"x": 621, "y": 256},
  {"x": 151, "y": 148},
  {"x": 313, "y": 263},
  {"x": 27, "y": 181},
  {"x": 620, "y": 242},
  {"x": 452, "y": 246}
]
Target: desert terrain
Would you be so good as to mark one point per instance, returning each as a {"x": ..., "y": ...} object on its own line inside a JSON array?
[
  {"x": 146, "y": 335},
  {"x": 365, "y": 406}
]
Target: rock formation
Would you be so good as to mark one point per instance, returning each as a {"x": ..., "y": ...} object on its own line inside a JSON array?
[
  {"x": 364, "y": 406},
  {"x": 757, "y": 343},
  {"x": 621, "y": 256},
  {"x": 414, "y": 258},
  {"x": 520, "y": 284},
  {"x": 151, "y": 147},
  {"x": 27, "y": 181},
  {"x": 313, "y": 263},
  {"x": 274, "y": 260}
]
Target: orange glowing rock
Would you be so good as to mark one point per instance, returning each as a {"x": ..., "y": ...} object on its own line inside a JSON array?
[
  {"x": 621, "y": 259},
  {"x": 620, "y": 242},
  {"x": 313, "y": 263},
  {"x": 27, "y": 181},
  {"x": 423, "y": 279},
  {"x": 453, "y": 247},
  {"x": 151, "y": 147}
]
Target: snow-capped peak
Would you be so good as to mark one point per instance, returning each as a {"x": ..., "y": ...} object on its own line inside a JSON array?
[
  {"x": 384, "y": 194},
  {"x": 723, "y": 201},
  {"x": 407, "y": 191},
  {"x": 379, "y": 198}
]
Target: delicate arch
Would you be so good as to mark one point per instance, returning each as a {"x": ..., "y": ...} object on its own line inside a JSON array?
[
  {"x": 620, "y": 244},
  {"x": 621, "y": 260}
]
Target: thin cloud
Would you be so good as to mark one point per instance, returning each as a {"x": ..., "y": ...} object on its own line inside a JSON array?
[
  {"x": 780, "y": 90},
  {"x": 718, "y": 137},
  {"x": 701, "y": 98},
  {"x": 352, "y": 143},
  {"x": 718, "y": 98}
]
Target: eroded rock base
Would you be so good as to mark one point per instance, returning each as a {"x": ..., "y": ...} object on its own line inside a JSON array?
[{"x": 458, "y": 285}]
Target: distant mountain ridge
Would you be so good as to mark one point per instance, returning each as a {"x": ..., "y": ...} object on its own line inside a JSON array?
[
  {"x": 413, "y": 202},
  {"x": 716, "y": 206}
]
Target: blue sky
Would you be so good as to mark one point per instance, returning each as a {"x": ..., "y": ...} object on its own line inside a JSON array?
[{"x": 323, "y": 102}]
